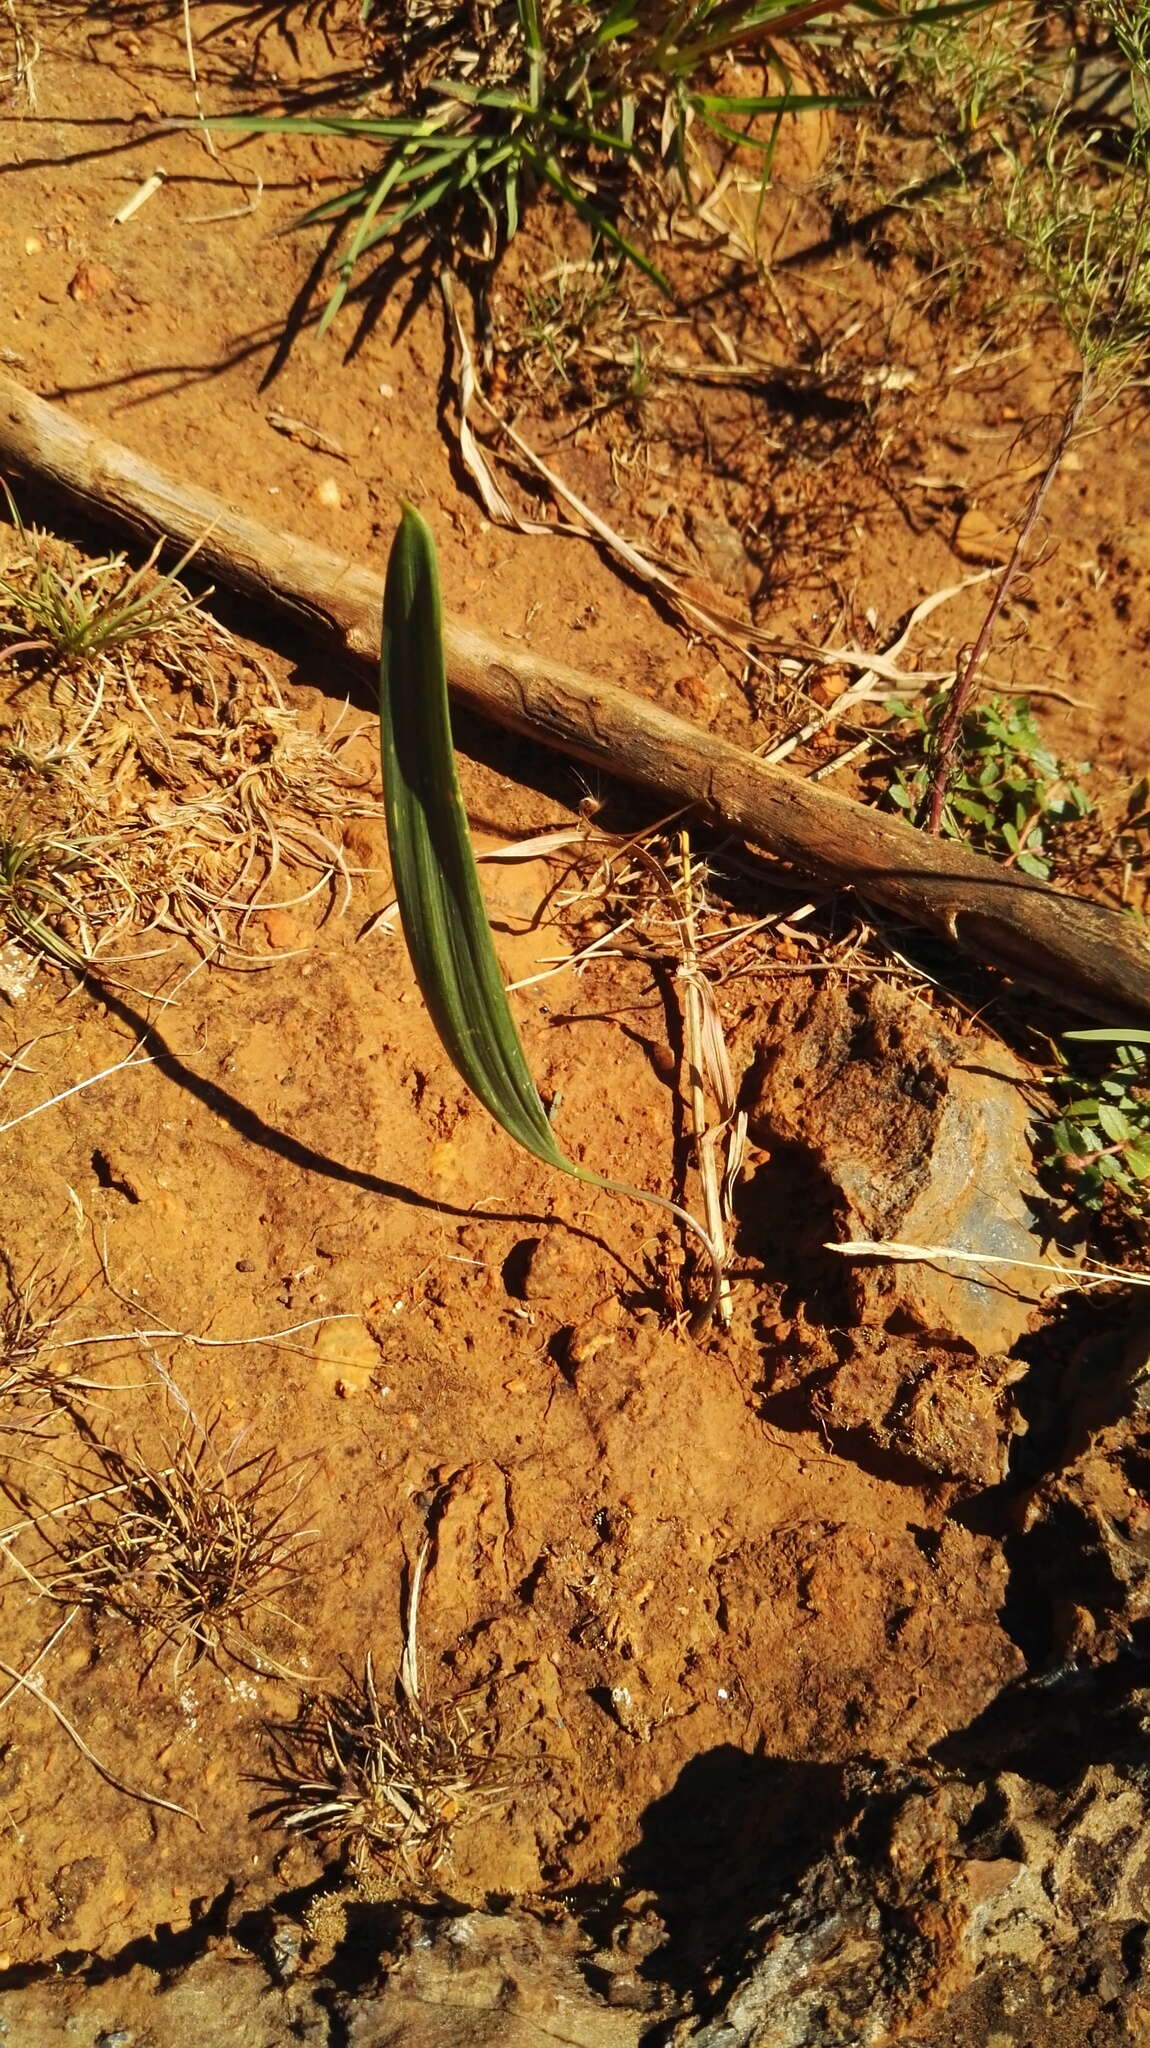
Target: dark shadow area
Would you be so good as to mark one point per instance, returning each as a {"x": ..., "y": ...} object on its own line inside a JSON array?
[
  {"x": 271, "y": 1933},
  {"x": 249, "y": 1125},
  {"x": 727, "y": 1843},
  {"x": 300, "y": 313},
  {"x": 1058, "y": 1569},
  {"x": 1053, "y": 1727},
  {"x": 168, "y": 1950},
  {"x": 25, "y": 124},
  {"x": 1079, "y": 1379},
  {"x": 785, "y": 1216},
  {"x": 865, "y": 228}
]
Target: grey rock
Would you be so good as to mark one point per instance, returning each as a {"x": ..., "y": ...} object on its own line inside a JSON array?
[
  {"x": 489, "y": 1980},
  {"x": 223, "y": 2000},
  {"x": 925, "y": 1139}
]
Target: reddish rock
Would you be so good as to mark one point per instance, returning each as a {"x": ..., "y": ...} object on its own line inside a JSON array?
[{"x": 91, "y": 281}]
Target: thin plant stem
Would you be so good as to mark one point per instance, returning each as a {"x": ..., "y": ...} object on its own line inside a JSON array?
[{"x": 966, "y": 679}]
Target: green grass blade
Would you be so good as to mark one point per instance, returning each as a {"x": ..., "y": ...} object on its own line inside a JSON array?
[
  {"x": 1122, "y": 1035},
  {"x": 433, "y": 867},
  {"x": 547, "y": 168}
]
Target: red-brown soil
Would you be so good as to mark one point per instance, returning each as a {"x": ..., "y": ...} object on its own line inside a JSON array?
[{"x": 654, "y": 1558}]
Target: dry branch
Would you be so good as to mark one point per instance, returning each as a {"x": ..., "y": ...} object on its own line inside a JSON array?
[{"x": 1087, "y": 956}]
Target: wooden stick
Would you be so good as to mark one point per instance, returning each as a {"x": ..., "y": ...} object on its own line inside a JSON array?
[{"x": 1082, "y": 954}]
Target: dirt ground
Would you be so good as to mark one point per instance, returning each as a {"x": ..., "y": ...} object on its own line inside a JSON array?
[{"x": 680, "y": 1585}]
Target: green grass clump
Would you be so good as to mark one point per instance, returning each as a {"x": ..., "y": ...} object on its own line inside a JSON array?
[
  {"x": 1009, "y": 795},
  {"x": 593, "y": 103},
  {"x": 77, "y": 610},
  {"x": 33, "y": 869}
]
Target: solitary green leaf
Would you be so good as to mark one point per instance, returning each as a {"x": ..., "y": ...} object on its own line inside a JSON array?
[
  {"x": 444, "y": 919},
  {"x": 435, "y": 876}
]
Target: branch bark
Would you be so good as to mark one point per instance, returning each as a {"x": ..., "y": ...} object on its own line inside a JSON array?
[{"x": 1079, "y": 952}]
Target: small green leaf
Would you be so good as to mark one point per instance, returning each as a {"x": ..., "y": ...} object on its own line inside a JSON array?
[
  {"x": 1116, "y": 1126},
  {"x": 1123, "y": 1035}
]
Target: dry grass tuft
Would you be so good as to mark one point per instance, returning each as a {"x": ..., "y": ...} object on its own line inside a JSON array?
[
  {"x": 32, "y": 1387},
  {"x": 380, "y": 1783},
  {"x": 194, "y": 1551},
  {"x": 154, "y": 780}
]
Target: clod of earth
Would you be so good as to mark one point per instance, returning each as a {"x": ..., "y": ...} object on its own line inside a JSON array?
[{"x": 948, "y": 1414}]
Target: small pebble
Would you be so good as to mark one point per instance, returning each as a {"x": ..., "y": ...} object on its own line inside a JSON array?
[
  {"x": 327, "y": 493},
  {"x": 91, "y": 281}
]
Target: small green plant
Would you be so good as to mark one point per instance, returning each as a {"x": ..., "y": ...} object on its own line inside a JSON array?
[
  {"x": 78, "y": 610},
  {"x": 436, "y": 880},
  {"x": 32, "y": 867},
  {"x": 1085, "y": 236},
  {"x": 972, "y": 69},
  {"x": 1009, "y": 797},
  {"x": 1102, "y": 1138}
]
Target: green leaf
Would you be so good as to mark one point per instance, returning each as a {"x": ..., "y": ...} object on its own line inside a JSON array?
[
  {"x": 1117, "y": 1127},
  {"x": 979, "y": 814},
  {"x": 437, "y": 882},
  {"x": 1124, "y": 1035},
  {"x": 621, "y": 20},
  {"x": 440, "y": 904},
  {"x": 547, "y": 167},
  {"x": 1065, "y": 1139}
]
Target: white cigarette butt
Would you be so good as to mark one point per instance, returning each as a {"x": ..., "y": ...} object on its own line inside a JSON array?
[{"x": 140, "y": 197}]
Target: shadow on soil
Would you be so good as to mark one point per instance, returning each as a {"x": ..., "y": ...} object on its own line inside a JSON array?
[{"x": 729, "y": 1841}]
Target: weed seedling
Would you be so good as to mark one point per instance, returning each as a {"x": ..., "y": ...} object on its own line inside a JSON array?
[
  {"x": 191, "y": 1551},
  {"x": 1102, "y": 1138},
  {"x": 34, "y": 867},
  {"x": 31, "y": 1386},
  {"x": 1011, "y": 795},
  {"x": 78, "y": 610},
  {"x": 380, "y": 1782}
]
